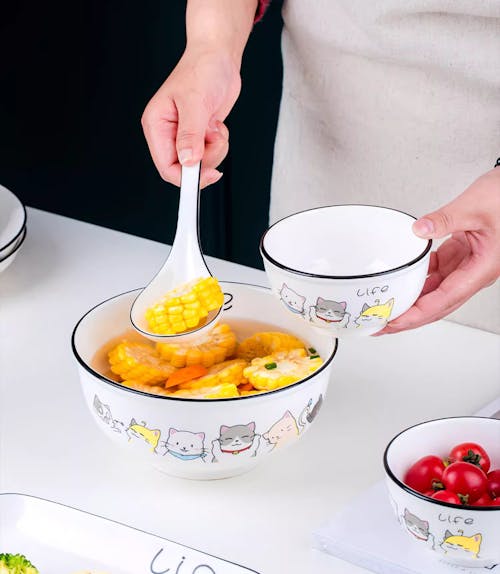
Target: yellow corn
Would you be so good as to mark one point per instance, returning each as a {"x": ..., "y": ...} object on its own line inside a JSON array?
[
  {"x": 222, "y": 391},
  {"x": 281, "y": 369},
  {"x": 267, "y": 343},
  {"x": 211, "y": 349},
  {"x": 185, "y": 307},
  {"x": 139, "y": 362},
  {"x": 228, "y": 372}
]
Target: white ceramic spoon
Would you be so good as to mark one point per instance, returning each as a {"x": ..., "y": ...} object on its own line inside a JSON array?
[{"x": 184, "y": 263}]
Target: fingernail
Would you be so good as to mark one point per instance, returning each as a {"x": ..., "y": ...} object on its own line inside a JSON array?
[
  {"x": 185, "y": 155},
  {"x": 423, "y": 227}
]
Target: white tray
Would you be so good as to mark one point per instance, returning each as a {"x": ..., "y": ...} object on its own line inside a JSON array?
[{"x": 59, "y": 539}]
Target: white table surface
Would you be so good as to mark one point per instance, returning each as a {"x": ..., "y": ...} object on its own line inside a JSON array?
[{"x": 50, "y": 446}]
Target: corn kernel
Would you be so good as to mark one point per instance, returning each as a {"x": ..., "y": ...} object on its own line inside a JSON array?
[{"x": 185, "y": 307}]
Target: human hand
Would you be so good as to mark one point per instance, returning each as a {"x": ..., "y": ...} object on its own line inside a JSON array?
[
  {"x": 466, "y": 262},
  {"x": 183, "y": 122}
]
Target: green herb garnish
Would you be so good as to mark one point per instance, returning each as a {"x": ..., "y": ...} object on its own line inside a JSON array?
[{"x": 270, "y": 366}]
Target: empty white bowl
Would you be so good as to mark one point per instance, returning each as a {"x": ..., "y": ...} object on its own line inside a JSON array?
[
  {"x": 12, "y": 221},
  {"x": 347, "y": 269},
  {"x": 200, "y": 438},
  {"x": 463, "y": 536}
]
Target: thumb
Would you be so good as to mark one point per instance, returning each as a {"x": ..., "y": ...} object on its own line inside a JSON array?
[
  {"x": 458, "y": 215},
  {"x": 193, "y": 118}
]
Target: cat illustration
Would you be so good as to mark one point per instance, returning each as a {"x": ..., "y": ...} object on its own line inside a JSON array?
[
  {"x": 312, "y": 413},
  {"x": 104, "y": 413},
  {"x": 140, "y": 431},
  {"x": 329, "y": 312},
  {"x": 461, "y": 546},
  {"x": 375, "y": 316},
  {"x": 284, "y": 431},
  {"x": 292, "y": 300},
  {"x": 236, "y": 442},
  {"x": 185, "y": 445},
  {"x": 418, "y": 527}
]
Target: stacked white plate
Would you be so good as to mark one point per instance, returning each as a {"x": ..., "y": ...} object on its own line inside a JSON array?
[{"x": 12, "y": 227}]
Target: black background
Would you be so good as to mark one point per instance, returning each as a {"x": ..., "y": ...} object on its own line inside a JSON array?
[{"x": 76, "y": 77}]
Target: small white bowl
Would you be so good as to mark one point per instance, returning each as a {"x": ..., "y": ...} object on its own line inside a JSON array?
[
  {"x": 12, "y": 221},
  {"x": 463, "y": 536},
  {"x": 7, "y": 259},
  {"x": 148, "y": 426},
  {"x": 347, "y": 269}
]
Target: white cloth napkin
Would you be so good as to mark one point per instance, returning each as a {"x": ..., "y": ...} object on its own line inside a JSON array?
[{"x": 367, "y": 534}]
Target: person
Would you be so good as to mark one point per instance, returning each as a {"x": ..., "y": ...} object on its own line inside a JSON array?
[{"x": 393, "y": 103}]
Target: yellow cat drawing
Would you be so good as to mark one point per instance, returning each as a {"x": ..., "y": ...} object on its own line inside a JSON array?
[
  {"x": 151, "y": 436},
  {"x": 382, "y": 310},
  {"x": 460, "y": 543}
]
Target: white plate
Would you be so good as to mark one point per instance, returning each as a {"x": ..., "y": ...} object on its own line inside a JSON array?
[
  {"x": 12, "y": 219},
  {"x": 6, "y": 260},
  {"x": 59, "y": 539}
]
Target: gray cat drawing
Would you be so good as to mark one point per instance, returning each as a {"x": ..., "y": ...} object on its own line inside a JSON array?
[
  {"x": 418, "y": 527},
  {"x": 329, "y": 312},
  {"x": 104, "y": 413},
  {"x": 236, "y": 442}
]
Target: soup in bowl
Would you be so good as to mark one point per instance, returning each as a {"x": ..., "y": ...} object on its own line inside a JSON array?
[{"x": 201, "y": 438}]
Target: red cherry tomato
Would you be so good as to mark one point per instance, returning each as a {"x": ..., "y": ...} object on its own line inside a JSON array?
[
  {"x": 421, "y": 475},
  {"x": 466, "y": 480},
  {"x": 471, "y": 452},
  {"x": 429, "y": 493},
  {"x": 446, "y": 496},
  {"x": 494, "y": 483},
  {"x": 484, "y": 500},
  {"x": 495, "y": 501}
]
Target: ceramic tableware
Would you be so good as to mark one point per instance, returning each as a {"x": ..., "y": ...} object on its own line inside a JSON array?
[
  {"x": 184, "y": 263},
  {"x": 346, "y": 269},
  {"x": 12, "y": 221},
  {"x": 200, "y": 438},
  {"x": 462, "y": 536}
]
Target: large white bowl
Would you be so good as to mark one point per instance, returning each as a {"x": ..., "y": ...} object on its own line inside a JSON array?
[
  {"x": 149, "y": 426},
  {"x": 12, "y": 221},
  {"x": 347, "y": 269},
  {"x": 463, "y": 536}
]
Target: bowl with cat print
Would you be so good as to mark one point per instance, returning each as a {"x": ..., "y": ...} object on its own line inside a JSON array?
[
  {"x": 465, "y": 536},
  {"x": 200, "y": 438},
  {"x": 346, "y": 269}
]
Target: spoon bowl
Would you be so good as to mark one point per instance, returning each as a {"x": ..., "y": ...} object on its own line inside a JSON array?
[{"x": 184, "y": 264}]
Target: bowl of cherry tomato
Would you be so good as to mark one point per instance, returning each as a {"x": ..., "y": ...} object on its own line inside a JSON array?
[{"x": 443, "y": 478}]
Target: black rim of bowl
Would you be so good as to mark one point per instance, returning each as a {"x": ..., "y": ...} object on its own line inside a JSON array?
[
  {"x": 417, "y": 494},
  {"x": 23, "y": 226},
  {"x": 266, "y": 255},
  {"x": 207, "y": 401},
  {"x": 18, "y": 246}
]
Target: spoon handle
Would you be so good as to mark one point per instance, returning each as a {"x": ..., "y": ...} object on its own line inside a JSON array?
[{"x": 186, "y": 248}]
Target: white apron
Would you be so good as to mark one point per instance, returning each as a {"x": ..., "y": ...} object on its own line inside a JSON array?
[{"x": 390, "y": 102}]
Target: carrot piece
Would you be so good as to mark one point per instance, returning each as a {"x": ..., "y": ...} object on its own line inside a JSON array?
[
  {"x": 185, "y": 374},
  {"x": 246, "y": 387}
]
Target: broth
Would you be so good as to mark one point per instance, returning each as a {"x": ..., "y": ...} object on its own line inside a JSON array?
[{"x": 242, "y": 328}]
